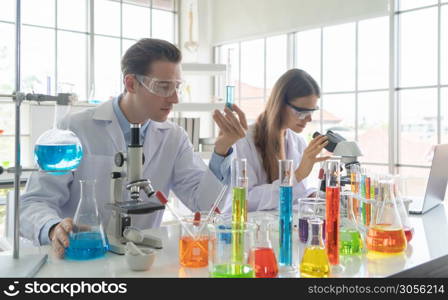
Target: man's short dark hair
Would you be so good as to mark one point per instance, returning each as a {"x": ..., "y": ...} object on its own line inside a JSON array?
[{"x": 139, "y": 57}]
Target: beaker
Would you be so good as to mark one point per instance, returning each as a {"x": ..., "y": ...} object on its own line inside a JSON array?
[
  {"x": 332, "y": 210},
  {"x": 221, "y": 260},
  {"x": 315, "y": 261},
  {"x": 193, "y": 250},
  {"x": 58, "y": 151},
  {"x": 262, "y": 255},
  {"x": 87, "y": 238},
  {"x": 386, "y": 234},
  {"x": 285, "y": 168},
  {"x": 310, "y": 208}
]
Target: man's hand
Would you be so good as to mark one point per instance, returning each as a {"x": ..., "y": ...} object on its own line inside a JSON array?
[
  {"x": 231, "y": 128},
  {"x": 59, "y": 236},
  {"x": 309, "y": 157}
]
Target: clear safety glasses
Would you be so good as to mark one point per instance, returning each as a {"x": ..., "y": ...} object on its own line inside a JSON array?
[
  {"x": 159, "y": 87},
  {"x": 302, "y": 113}
]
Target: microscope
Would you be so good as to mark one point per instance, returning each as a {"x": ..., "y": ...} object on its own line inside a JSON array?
[
  {"x": 348, "y": 151},
  {"x": 127, "y": 172}
]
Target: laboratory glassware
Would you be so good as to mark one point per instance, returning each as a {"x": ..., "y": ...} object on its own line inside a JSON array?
[
  {"x": 193, "y": 251},
  {"x": 315, "y": 259},
  {"x": 262, "y": 255},
  {"x": 285, "y": 213},
  {"x": 221, "y": 260},
  {"x": 239, "y": 206},
  {"x": 350, "y": 238},
  {"x": 332, "y": 173},
  {"x": 58, "y": 151},
  {"x": 87, "y": 240},
  {"x": 355, "y": 179},
  {"x": 401, "y": 207},
  {"x": 386, "y": 234},
  {"x": 230, "y": 88},
  {"x": 310, "y": 208}
]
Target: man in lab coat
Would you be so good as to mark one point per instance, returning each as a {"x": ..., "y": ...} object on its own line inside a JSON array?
[{"x": 152, "y": 79}]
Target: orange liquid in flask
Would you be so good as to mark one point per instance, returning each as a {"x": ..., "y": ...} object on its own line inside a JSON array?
[
  {"x": 386, "y": 239},
  {"x": 193, "y": 253}
]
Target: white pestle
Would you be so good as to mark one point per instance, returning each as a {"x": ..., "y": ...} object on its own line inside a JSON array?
[
  {"x": 134, "y": 249},
  {"x": 133, "y": 234}
]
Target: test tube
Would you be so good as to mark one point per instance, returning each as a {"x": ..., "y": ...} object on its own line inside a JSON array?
[
  {"x": 230, "y": 89},
  {"x": 239, "y": 207},
  {"x": 285, "y": 212},
  {"x": 333, "y": 180}
]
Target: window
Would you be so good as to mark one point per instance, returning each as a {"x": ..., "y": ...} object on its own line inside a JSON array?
[
  {"x": 163, "y": 25},
  {"x": 252, "y": 69},
  {"x": 136, "y": 22},
  {"x": 54, "y": 32},
  {"x": 107, "y": 17},
  {"x": 373, "y": 57},
  {"x": 72, "y": 74},
  {"x": 340, "y": 114},
  {"x": 418, "y": 48},
  {"x": 308, "y": 53},
  {"x": 419, "y": 87},
  {"x": 444, "y": 115},
  {"x": 338, "y": 58},
  {"x": 252, "y": 78},
  {"x": 7, "y": 63},
  {"x": 410, "y": 4},
  {"x": 72, "y": 15},
  {"x": 373, "y": 126},
  {"x": 37, "y": 62},
  {"x": 418, "y": 128},
  {"x": 444, "y": 45},
  {"x": 276, "y": 52}
]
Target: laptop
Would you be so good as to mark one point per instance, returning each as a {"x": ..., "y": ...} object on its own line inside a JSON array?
[{"x": 437, "y": 182}]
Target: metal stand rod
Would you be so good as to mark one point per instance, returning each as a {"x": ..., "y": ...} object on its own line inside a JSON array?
[{"x": 17, "y": 132}]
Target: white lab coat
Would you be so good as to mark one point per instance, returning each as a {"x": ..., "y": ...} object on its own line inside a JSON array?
[
  {"x": 170, "y": 164},
  {"x": 261, "y": 194}
]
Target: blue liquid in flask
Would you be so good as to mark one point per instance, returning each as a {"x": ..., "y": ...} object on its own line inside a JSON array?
[
  {"x": 285, "y": 207},
  {"x": 58, "y": 158},
  {"x": 86, "y": 245}
]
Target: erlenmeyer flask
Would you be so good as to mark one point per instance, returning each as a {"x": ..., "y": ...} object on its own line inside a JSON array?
[
  {"x": 402, "y": 211},
  {"x": 386, "y": 234},
  {"x": 262, "y": 256},
  {"x": 315, "y": 261},
  {"x": 350, "y": 239},
  {"x": 87, "y": 239},
  {"x": 58, "y": 151}
]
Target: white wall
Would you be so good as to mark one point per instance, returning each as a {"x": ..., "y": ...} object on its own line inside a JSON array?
[{"x": 243, "y": 19}]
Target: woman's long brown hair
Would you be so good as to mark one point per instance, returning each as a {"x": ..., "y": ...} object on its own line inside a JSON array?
[{"x": 293, "y": 84}]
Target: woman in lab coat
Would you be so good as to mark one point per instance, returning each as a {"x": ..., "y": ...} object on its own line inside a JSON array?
[{"x": 275, "y": 135}]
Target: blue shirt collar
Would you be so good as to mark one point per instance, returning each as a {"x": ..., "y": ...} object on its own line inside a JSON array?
[{"x": 124, "y": 123}]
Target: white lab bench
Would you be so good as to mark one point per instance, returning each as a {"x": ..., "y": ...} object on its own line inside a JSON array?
[{"x": 429, "y": 242}]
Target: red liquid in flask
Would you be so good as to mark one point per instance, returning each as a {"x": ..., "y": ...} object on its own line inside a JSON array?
[
  {"x": 409, "y": 233},
  {"x": 332, "y": 224},
  {"x": 264, "y": 261}
]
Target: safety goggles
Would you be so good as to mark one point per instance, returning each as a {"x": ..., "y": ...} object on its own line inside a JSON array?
[
  {"x": 302, "y": 113},
  {"x": 161, "y": 87}
]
